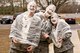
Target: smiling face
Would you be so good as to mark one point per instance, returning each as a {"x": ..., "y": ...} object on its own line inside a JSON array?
[
  {"x": 54, "y": 19},
  {"x": 49, "y": 10},
  {"x": 32, "y": 7}
]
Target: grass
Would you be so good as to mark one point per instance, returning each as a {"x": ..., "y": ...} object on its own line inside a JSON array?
[
  {"x": 4, "y": 40},
  {"x": 78, "y": 20}
]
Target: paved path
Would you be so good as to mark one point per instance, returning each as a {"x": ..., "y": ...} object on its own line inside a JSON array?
[
  {"x": 75, "y": 27},
  {"x": 76, "y": 41}
]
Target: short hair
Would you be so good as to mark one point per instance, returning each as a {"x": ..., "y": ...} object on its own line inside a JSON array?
[
  {"x": 32, "y": 2},
  {"x": 52, "y": 6}
]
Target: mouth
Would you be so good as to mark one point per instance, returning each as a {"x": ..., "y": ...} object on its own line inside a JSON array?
[
  {"x": 31, "y": 9},
  {"x": 53, "y": 20}
]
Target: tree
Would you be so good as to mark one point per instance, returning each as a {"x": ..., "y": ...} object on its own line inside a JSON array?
[
  {"x": 59, "y": 3},
  {"x": 70, "y": 8},
  {"x": 12, "y": 6},
  {"x": 45, "y": 3}
]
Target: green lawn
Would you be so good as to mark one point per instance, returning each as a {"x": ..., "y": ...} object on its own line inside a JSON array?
[{"x": 78, "y": 21}]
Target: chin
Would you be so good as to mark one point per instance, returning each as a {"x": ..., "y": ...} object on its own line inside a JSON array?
[
  {"x": 54, "y": 23},
  {"x": 32, "y": 11}
]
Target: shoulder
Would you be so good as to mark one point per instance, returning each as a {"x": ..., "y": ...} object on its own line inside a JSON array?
[
  {"x": 62, "y": 20},
  {"x": 20, "y": 16},
  {"x": 39, "y": 14},
  {"x": 37, "y": 18}
]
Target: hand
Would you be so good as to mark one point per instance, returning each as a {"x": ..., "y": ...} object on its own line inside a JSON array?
[
  {"x": 45, "y": 35},
  {"x": 60, "y": 39},
  {"x": 59, "y": 42},
  {"x": 30, "y": 48},
  {"x": 14, "y": 40}
]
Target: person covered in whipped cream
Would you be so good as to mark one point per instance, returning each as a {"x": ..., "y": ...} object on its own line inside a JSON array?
[
  {"x": 60, "y": 35},
  {"x": 25, "y": 31},
  {"x": 43, "y": 46}
]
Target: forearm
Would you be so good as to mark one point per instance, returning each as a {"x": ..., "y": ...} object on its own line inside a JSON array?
[
  {"x": 67, "y": 36},
  {"x": 14, "y": 29}
]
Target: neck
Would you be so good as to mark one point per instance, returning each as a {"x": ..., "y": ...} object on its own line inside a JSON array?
[
  {"x": 55, "y": 25},
  {"x": 30, "y": 14}
]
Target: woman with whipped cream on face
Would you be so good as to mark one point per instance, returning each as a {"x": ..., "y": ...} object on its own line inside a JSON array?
[{"x": 60, "y": 35}]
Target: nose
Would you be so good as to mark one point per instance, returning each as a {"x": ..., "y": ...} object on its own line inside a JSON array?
[
  {"x": 50, "y": 11},
  {"x": 31, "y": 7}
]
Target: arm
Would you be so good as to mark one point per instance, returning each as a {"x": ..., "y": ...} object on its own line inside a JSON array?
[
  {"x": 35, "y": 31},
  {"x": 67, "y": 35},
  {"x": 14, "y": 29},
  {"x": 38, "y": 27},
  {"x": 46, "y": 30}
]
